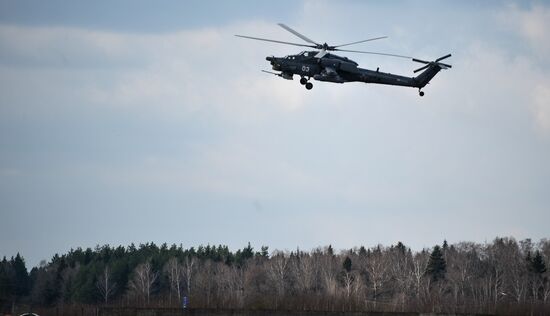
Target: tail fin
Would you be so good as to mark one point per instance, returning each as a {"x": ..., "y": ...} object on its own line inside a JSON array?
[
  {"x": 432, "y": 68},
  {"x": 427, "y": 75}
]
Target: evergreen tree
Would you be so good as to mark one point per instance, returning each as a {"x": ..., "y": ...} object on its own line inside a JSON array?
[
  {"x": 7, "y": 277},
  {"x": 437, "y": 267},
  {"x": 537, "y": 264},
  {"x": 330, "y": 251},
  {"x": 248, "y": 252},
  {"x": 21, "y": 281},
  {"x": 401, "y": 247},
  {"x": 347, "y": 264},
  {"x": 263, "y": 253}
]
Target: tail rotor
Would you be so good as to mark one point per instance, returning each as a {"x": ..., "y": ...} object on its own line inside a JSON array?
[{"x": 430, "y": 63}]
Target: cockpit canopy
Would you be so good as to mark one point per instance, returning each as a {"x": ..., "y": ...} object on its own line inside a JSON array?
[{"x": 311, "y": 54}]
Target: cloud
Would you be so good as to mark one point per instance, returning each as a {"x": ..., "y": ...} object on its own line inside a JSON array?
[
  {"x": 185, "y": 71},
  {"x": 532, "y": 25},
  {"x": 541, "y": 106}
]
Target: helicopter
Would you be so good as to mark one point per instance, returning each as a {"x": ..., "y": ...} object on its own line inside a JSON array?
[{"x": 321, "y": 65}]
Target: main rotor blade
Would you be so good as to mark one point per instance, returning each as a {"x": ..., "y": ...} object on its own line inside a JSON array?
[
  {"x": 421, "y": 68},
  {"x": 373, "y": 53},
  {"x": 274, "y": 41},
  {"x": 321, "y": 53},
  {"x": 446, "y": 65},
  {"x": 367, "y": 40},
  {"x": 421, "y": 61},
  {"x": 298, "y": 34},
  {"x": 441, "y": 58}
]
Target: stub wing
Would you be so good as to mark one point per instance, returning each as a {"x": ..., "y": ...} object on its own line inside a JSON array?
[{"x": 284, "y": 75}]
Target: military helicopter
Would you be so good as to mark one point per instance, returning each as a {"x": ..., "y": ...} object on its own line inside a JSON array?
[{"x": 324, "y": 66}]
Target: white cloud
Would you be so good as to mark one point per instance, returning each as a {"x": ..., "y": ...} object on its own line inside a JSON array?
[
  {"x": 541, "y": 106},
  {"x": 185, "y": 70},
  {"x": 532, "y": 24}
]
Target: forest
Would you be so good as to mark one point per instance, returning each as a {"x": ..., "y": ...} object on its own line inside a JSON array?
[{"x": 504, "y": 276}]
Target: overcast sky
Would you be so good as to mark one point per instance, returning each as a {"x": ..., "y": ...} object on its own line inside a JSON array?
[{"x": 136, "y": 121}]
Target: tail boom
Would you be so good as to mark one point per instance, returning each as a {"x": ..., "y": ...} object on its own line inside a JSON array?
[{"x": 369, "y": 76}]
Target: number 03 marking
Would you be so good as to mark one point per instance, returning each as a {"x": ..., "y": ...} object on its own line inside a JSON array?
[{"x": 305, "y": 68}]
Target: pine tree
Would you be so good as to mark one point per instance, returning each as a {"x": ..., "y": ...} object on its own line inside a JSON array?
[
  {"x": 248, "y": 252},
  {"x": 436, "y": 265},
  {"x": 330, "y": 251},
  {"x": 537, "y": 264},
  {"x": 401, "y": 247},
  {"x": 22, "y": 281},
  {"x": 6, "y": 281},
  {"x": 264, "y": 253},
  {"x": 347, "y": 264}
]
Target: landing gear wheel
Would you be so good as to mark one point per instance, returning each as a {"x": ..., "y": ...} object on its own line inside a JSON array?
[
  {"x": 303, "y": 81},
  {"x": 421, "y": 93},
  {"x": 309, "y": 85}
]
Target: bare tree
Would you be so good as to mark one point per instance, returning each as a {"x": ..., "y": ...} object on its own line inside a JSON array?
[
  {"x": 517, "y": 277},
  {"x": 189, "y": 267},
  {"x": 304, "y": 272},
  {"x": 174, "y": 271},
  {"x": 420, "y": 262},
  {"x": 237, "y": 284},
  {"x": 105, "y": 284},
  {"x": 329, "y": 273},
  {"x": 230, "y": 285},
  {"x": 206, "y": 280},
  {"x": 351, "y": 285},
  {"x": 546, "y": 288},
  {"x": 461, "y": 263},
  {"x": 378, "y": 271},
  {"x": 143, "y": 280},
  {"x": 278, "y": 273},
  {"x": 401, "y": 271},
  {"x": 502, "y": 257}
]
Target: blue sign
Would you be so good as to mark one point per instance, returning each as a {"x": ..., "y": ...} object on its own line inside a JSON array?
[{"x": 185, "y": 302}]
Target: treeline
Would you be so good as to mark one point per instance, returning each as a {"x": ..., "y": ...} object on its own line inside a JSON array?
[{"x": 505, "y": 276}]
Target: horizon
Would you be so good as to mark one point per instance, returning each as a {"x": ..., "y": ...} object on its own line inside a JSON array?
[{"x": 535, "y": 244}]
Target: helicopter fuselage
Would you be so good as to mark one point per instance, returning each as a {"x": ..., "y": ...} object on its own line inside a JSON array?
[{"x": 338, "y": 69}]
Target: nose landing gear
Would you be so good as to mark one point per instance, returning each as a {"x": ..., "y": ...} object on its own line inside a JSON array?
[{"x": 420, "y": 93}]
